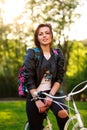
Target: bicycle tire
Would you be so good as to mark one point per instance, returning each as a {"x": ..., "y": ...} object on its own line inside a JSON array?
[
  {"x": 72, "y": 124},
  {"x": 26, "y": 127}
]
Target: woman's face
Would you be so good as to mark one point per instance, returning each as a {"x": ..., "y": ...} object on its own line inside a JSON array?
[{"x": 45, "y": 36}]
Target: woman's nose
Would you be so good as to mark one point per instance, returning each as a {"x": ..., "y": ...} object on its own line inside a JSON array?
[{"x": 44, "y": 35}]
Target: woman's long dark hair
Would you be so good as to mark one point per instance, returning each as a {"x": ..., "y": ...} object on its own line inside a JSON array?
[{"x": 37, "y": 30}]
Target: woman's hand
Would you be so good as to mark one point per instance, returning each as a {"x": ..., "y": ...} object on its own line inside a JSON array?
[
  {"x": 48, "y": 101},
  {"x": 41, "y": 106}
]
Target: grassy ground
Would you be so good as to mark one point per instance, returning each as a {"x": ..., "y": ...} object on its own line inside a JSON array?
[{"x": 13, "y": 116}]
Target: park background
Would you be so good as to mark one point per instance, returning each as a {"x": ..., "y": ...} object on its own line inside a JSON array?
[{"x": 18, "y": 20}]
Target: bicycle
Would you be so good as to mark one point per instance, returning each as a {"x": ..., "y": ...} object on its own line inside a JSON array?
[{"x": 75, "y": 121}]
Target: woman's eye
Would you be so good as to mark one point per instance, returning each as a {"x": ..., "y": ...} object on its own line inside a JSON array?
[
  {"x": 47, "y": 33},
  {"x": 40, "y": 34}
]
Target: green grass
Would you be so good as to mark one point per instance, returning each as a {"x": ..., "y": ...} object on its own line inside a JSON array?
[{"x": 13, "y": 115}]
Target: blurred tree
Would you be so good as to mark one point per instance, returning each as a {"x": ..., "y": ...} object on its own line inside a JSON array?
[
  {"x": 77, "y": 68},
  {"x": 11, "y": 57},
  {"x": 59, "y": 13},
  {"x": 11, "y": 54}
]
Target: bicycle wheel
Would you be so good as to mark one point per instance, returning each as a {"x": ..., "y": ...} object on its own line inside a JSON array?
[
  {"x": 72, "y": 124},
  {"x": 48, "y": 125},
  {"x": 26, "y": 127}
]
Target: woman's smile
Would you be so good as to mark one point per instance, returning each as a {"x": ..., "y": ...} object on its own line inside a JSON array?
[{"x": 45, "y": 39}]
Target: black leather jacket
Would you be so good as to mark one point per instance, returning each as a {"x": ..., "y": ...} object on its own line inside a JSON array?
[{"x": 33, "y": 74}]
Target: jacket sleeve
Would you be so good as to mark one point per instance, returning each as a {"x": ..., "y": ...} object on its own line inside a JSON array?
[
  {"x": 60, "y": 67},
  {"x": 29, "y": 69}
]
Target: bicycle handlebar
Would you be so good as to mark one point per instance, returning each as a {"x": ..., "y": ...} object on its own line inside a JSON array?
[
  {"x": 38, "y": 94},
  {"x": 78, "y": 85},
  {"x": 79, "y": 91}
]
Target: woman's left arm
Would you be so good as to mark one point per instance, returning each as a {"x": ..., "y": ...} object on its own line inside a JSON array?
[{"x": 54, "y": 89}]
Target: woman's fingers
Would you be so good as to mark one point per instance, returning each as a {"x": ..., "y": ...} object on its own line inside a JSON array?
[
  {"x": 41, "y": 106},
  {"x": 42, "y": 109},
  {"x": 48, "y": 101}
]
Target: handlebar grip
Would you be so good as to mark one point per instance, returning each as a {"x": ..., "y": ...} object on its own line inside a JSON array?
[{"x": 37, "y": 94}]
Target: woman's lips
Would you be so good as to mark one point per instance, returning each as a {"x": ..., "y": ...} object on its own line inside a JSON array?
[{"x": 44, "y": 40}]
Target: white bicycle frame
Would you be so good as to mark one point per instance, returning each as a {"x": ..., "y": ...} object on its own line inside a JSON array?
[{"x": 79, "y": 125}]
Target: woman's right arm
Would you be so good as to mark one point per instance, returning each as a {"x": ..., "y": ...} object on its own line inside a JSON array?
[
  {"x": 29, "y": 70},
  {"x": 30, "y": 77}
]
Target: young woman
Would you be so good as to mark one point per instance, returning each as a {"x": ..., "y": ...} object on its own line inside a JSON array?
[{"x": 48, "y": 77}]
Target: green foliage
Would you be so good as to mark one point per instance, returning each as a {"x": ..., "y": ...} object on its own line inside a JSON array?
[
  {"x": 77, "y": 67},
  {"x": 12, "y": 54},
  {"x": 77, "y": 57},
  {"x": 8, "y": 86}
]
